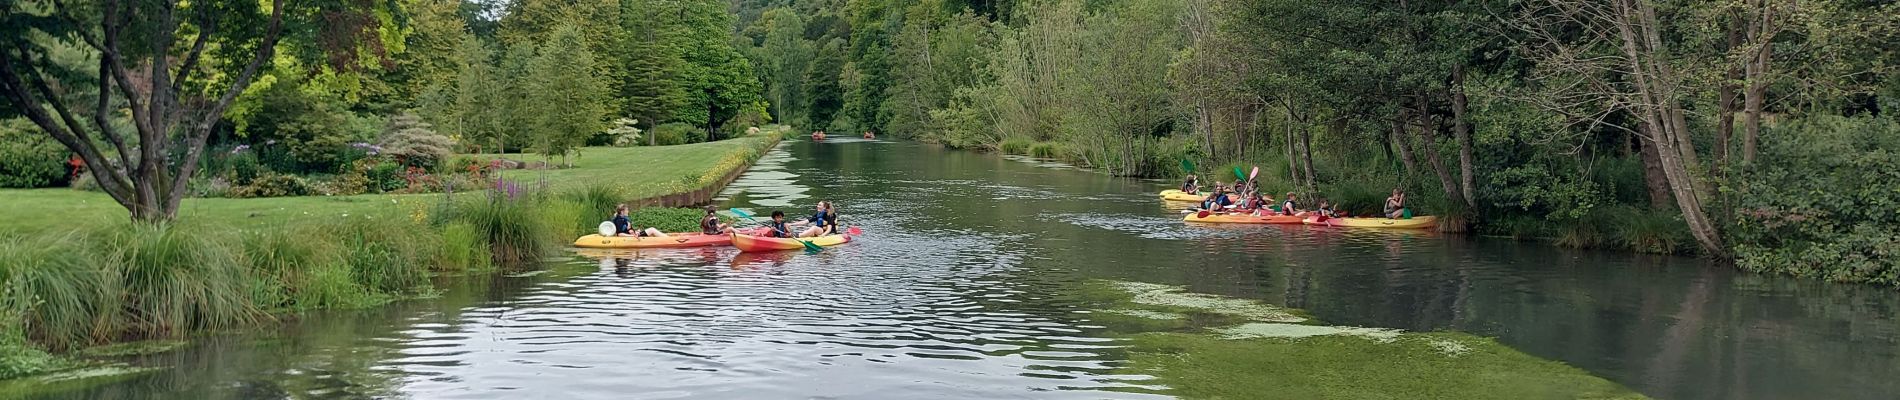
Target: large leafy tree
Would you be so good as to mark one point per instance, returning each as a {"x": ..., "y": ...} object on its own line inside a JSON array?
[
  {"x": 569, "y": 100},
  {"x": 173, "y": 67}
]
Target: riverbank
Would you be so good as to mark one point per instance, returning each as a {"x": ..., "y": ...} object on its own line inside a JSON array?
[{"x": 231, "y": 263}]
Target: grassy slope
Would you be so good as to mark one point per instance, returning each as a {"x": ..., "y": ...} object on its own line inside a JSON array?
[{"x": 637, "y": 171}]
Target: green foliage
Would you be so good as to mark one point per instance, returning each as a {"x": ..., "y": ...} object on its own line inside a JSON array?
[
  {"x": 296, "y": 132},
  {"x": 624, "y": 133},
  {"x": 1821, "y": 202},
  {"x": 385, "y": 176},
  {"x": 29, "y": 159},
  {"x": 1050, "y": 150},
  {"x": 667, "y": 219},
  {"x": 515, "y": 232},
  {"x": 274, "y": 185},
  {"x": 677, "y": 133},
  {"x": 244, "y": 167},
  {"x": 463, "y": 249},
  {"x": 566, "y": 94},
  {"x": 411, "y": 142},
  {"x": 1015, "y": 146}
]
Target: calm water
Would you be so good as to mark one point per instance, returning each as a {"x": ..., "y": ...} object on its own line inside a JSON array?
[{"x": 955, "y": 292}]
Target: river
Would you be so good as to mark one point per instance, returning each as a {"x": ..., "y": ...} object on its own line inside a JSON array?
[{"x": 955, "y": 291}]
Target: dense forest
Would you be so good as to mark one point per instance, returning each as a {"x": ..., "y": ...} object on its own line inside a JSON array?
[{"x": 1762, "y": 131}]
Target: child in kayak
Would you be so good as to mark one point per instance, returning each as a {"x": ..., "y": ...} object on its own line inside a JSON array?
[
  {"x": 1289, "y": 206},
  {"x": 624, "y": 226},
  {"x": 778, "y": 228},
  {"x": 1191, "y": 186},
  {"x": 710, "y": 225},
  {"x": 821, "y": 221},
  {"x": 1325, "y": 210},
  {"x": 1395, "y": 205}
]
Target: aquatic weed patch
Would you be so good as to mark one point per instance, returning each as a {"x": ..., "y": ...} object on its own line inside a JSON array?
[{"x": 1208, "y": 346}]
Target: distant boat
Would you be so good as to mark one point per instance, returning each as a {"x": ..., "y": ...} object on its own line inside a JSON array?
[
  {"x": 817, "y": 136},
  {"x": 868, "y": 135}
]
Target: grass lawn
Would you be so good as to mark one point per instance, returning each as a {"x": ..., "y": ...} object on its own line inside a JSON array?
[{"x": 637, "y": 171}]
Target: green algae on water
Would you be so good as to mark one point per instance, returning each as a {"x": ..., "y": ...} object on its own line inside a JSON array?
[{"x": 1259, "y": 351}]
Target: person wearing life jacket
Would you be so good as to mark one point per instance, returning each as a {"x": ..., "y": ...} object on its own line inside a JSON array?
[
  {"x": 1191, "y": 186},
  {"x": 1395, "y": 205},
  {"x": 1290, "y": 206},
  {"x": 821, "y": 222},
  {"x": 710, "y": 225},
  {"x": 624, "y": 226},
  {"x": 778, "y": 229}
]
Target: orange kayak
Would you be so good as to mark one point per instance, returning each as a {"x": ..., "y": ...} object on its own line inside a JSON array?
[
  {"x": 761, "y": 243},
  {"x": 1244, "y": 218}
]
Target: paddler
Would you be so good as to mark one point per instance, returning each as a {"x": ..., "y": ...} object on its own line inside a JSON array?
[
  {"x": 1289, "y": 206},
  {"x": 821, "y": 221},
  {"x": 1191, "y": 186},
  {"x": 623, "y": 226},
  {"x": 710, "y": 224},
  {"x": 1395, "y": 205},
  {"x": 778, "y": 228}
]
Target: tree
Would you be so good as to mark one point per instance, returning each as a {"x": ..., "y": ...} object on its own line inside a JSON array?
[
  {"x": 785, "y": 55},
  {"x": 650, "y": 59},
  {"x": 1622, "y": 61},
  {"x": 568, "y": 98},
  {"x": 476, "y": 113},
  {"x": 153, "y": 65}
]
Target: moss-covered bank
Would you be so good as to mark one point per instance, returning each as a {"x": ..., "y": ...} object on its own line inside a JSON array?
[{"x": 1214, "y": 347}]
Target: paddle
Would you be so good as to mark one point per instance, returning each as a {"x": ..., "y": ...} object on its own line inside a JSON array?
[
  {"x": 1250, "y": 175},
  {"x": 748, "y": 217},
  {"x": 1238, "y": 175},
  {"x": 1187, "y": 165}
]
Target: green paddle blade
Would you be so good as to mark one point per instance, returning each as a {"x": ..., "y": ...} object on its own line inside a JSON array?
[
  {"x": 1187, "y": 165},
  {"x": 740, "y": 213},
  {"x": 1407, "y": 213},
  {"x": 1238, "y": 174}
]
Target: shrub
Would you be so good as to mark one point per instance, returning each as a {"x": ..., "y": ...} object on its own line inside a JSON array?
[
  {"x": 596, "y": 199},
  {"x": 1046, "y": 150},
  {"x": 385, "y": 176},
  {"x": 622, "y": 134},
  {"x": 667, "y": 219},
  {"x": 1014, "y": 146},
  {"x": 175, "y": 279},
  {"x": 1821, "y": 201},
  {"x": 513, "y": 229},
  {"x": 413, "y": 142},
  {"x": 462, "y": 249},
  {"x": 677, "y": 133},
  {"x": 274, "y": 185},
  {"x": 1653, "y": 232},
  {"x": 29, "y": 159},
  {"x": 244, "y": 168}
]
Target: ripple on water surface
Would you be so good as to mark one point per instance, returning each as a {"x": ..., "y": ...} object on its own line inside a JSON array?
[{"x": 927, "y": 317}]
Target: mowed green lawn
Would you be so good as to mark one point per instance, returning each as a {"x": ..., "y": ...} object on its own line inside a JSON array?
[{"x": 637, "y": 171}]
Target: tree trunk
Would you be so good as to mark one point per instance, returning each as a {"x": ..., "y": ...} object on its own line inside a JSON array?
[
  {"x": 1429, "y": 130},
  {"x": 1661, "y": 110},
  {"x": 1462, "y": 129},
  {"x": 1292, "y": 158},
  {"x": 1404, "y": 147},
  {"x": 1306, "y": 152},
  {"x": 1756, "y": 70},
  {"x": 1654, "y": 181},
  {"x": 1726, "y": 93}
]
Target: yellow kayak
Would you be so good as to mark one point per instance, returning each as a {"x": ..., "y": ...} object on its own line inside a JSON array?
[
  {"x": 1419, "y": 222},
  {"x": 1243, "y": 218},
  {"x": 1177, "y": 195}
]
